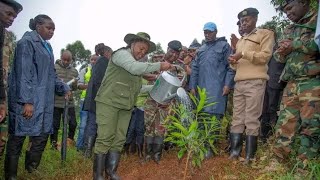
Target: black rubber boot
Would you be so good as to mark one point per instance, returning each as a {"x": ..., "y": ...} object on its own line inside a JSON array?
[
  {"x": 133, "y": 147},
  {"x": 148, "y": 152},
  {"x": 89, "y": 146},
  {"x": 11, "y": 167},
  {"x": 112, "y": 162},
  {"x": 265, "y": 132},
  {"x": 126, "y": 149},
  {"x": 265, "y": 128},
  {"x": 140, "y": 150},
  {"x": 32, "y": 161},
  {"x": 236, "y": 145},
  {"x": 149, "y": 148},
  {"x": 251, "y": 148},
  {"x": 99, "y": 166},
  {"x": 209, "y": 153},
  {"x": 157, "y": 149},
  {"x": 27, "y": 160}
]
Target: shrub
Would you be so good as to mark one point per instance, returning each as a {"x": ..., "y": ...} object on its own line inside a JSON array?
[{"x": 193, "y": 130}]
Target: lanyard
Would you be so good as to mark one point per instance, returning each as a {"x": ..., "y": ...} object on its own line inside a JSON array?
[{"x": 46, "y": 45}]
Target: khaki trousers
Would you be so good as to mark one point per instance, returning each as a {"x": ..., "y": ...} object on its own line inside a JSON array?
[
  {"x": 112, "y": 128},
  {"x": 247, "y": 106}
]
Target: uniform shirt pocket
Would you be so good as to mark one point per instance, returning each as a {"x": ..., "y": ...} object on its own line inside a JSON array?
[{"x": 122, "y": 96}]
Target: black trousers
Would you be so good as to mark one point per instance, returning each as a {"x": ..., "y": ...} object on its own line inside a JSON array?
[
  {"x": 136, "y": 127},
  {"x": 269, "y": 116},
  {"x": 15, "y": 143},
  {"x": 33, "y": 153},
  {"x": 57, "y": 114}
]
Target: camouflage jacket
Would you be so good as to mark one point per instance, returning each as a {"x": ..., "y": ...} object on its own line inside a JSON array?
[
  {"x": 7, "y": 53},
  {"x": 303, "y": 61},
  {"x": 2, "y": 89}
]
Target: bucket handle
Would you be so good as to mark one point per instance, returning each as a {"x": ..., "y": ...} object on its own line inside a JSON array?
[{"x": 184, "y": 72}]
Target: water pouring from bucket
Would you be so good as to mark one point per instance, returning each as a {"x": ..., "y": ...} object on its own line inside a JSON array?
[
  {"x": 184, "y": 99},
  {"x": 166, "y": 86}
]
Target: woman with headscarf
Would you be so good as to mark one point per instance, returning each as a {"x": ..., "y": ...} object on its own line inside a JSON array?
[
  {"x": 32, "y": 86},
  {"x": 116, "y": 98}
]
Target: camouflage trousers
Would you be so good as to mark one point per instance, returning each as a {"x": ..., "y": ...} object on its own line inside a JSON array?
[
  {"x": 154, "y": 118},
  {"x": 298, "y": 126},
  {"x": 3, "y": 136}
]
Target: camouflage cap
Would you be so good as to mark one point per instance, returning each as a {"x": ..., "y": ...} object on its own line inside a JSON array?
[
  {"x": 248, "y": 12},
  {"x": 14, "y": 4}
]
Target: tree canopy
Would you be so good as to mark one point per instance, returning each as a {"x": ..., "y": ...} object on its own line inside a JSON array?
[{"x": 79, "y": 53}]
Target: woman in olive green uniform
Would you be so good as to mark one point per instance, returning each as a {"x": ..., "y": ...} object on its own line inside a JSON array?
[{"x": 116, "y": 98}]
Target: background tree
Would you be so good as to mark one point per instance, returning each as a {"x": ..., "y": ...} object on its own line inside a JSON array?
[
  {"x": 279, "y": 22},
  {"x": 80, "y": 55},
  {"x": 277, "y": 25},
  {"x": 159, "y": 50},
  {"x": 13, "y": 44}
]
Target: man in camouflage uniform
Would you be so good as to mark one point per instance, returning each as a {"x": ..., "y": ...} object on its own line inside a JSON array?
[
  {"x": 155, "y": 113},
  {"x": 299, "y": 120},
  {"x": 9, "y": 9},
  {"x": 7, "y": 52}
]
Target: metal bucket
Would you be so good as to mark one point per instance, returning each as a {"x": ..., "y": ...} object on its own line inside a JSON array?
[{"x": 166, "y": 86}]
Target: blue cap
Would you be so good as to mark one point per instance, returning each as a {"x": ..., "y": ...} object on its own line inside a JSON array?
[{"x": 210, "y": 26}]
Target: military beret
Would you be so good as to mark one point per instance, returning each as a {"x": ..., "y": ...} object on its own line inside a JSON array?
[
  {"x": 248, "y": 12},
  {"x": 14, "y": 4},
  {"x": 175, "y": 45},
  {"x": 284, "y": 4},
  {"x": 194, "y": 45}
]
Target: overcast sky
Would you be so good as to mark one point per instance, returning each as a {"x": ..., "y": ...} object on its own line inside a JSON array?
[{"x": 95, "y": 21}]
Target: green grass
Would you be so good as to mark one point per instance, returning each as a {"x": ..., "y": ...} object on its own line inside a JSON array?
[{"x": 51, "y": 166}]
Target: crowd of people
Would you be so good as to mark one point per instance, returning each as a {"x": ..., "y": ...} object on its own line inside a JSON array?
[{"x": 259, "y": 69}]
